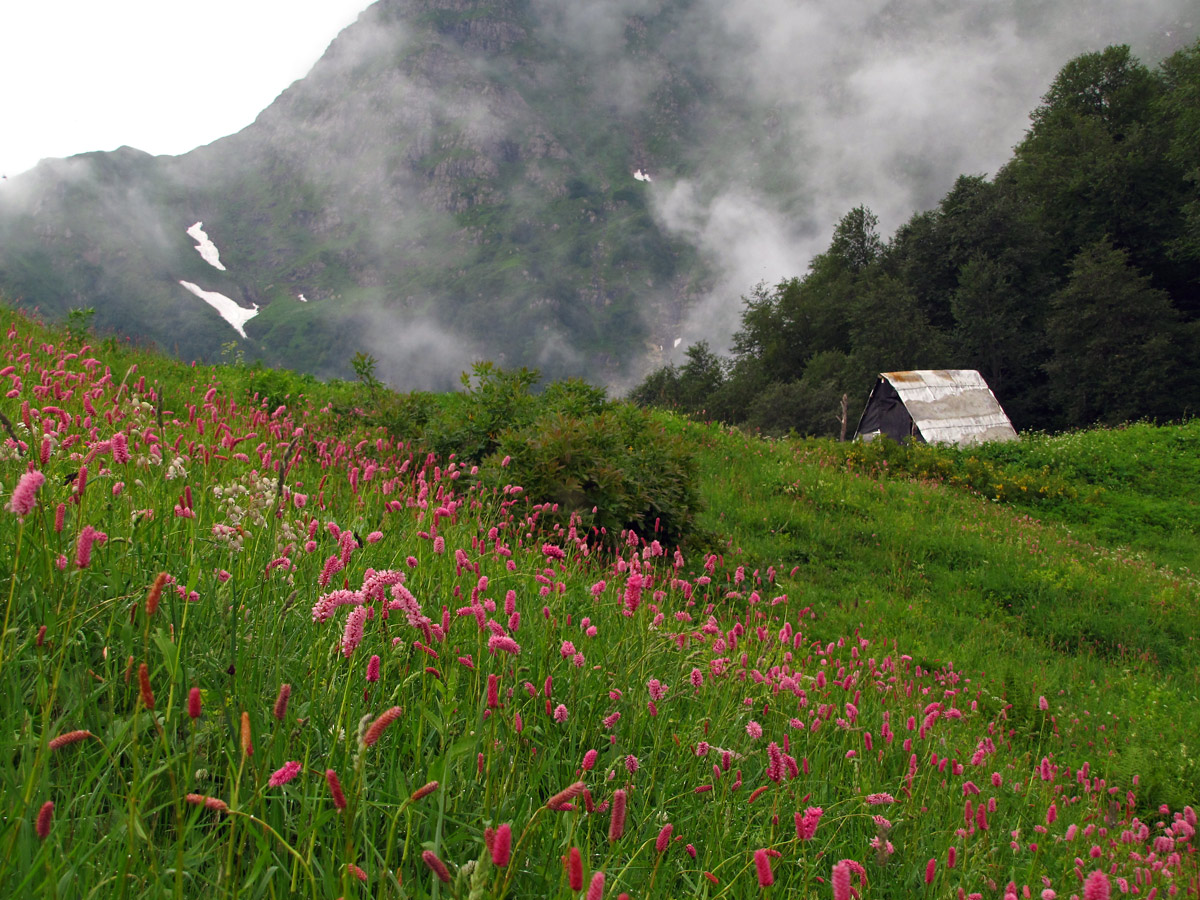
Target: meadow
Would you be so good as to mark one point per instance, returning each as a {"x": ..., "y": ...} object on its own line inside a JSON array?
[{"x": 265, "y": 647}]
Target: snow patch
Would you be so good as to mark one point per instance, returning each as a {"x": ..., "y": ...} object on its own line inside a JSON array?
[
  {"x": 678, "y": 341},
  {"x": 206, "y": 248},
  {"x": 235, "y": 315},
  {"x": 639, "y": 175},
  {"x": 301, "y": 298}
]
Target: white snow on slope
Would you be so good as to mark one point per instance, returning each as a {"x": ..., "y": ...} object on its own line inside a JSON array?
[
  {"x": 206, "y": 248},
  {"x": 641, "y": 176},
  {"x": 235, "y": 315}
]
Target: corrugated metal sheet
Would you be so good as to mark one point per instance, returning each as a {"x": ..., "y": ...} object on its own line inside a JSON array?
[{"x": 952, "y": 406}]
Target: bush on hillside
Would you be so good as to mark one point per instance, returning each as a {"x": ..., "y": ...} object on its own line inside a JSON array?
[{"x": 616, "y": 469}]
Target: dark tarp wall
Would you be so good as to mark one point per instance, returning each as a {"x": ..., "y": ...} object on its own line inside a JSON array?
[{"x": 885, "y": 412}]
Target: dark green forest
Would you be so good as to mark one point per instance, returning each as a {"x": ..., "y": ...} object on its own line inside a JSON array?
[{"x": 1070, "y": 280}]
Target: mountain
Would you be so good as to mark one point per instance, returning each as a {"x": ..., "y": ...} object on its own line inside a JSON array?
[{"x": 538, "y": 182}]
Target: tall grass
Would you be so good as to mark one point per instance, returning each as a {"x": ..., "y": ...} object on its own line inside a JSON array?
[{"x": 307, "y": 658}]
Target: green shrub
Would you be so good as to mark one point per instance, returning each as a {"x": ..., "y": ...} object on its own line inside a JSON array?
[{"x": 615, "y": 470}]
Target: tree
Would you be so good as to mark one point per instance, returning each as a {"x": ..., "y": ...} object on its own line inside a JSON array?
[
  {"x": 1095, "y": 161},
  {"x": 1179, "y": 108},
  {"x": 856, "y": 242},
  {"x": 700, "y": 377},
  {"x": 888, "y": 329},
  {"x": 1111, "y": 334},
  {"x": 990, "y": 327}
]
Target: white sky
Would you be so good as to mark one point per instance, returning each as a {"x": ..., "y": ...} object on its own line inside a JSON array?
[{"x": 160, "y": 75}]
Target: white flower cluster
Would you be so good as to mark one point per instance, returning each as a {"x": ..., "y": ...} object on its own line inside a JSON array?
[
  {"x": 176, "y": 469},
  {"x": 243, "y": 503}
]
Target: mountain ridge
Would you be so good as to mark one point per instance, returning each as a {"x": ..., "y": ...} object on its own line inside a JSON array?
[{"x": 454, "y": 180}]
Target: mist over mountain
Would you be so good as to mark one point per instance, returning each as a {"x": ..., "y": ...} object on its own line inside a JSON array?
[{"x": 461, "y": 179}]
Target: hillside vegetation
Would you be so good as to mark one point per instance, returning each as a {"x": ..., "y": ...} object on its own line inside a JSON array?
[{"x": 266, "y": 647}]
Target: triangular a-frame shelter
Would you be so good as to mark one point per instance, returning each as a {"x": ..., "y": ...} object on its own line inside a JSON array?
[{"x": 936, "y": 406}]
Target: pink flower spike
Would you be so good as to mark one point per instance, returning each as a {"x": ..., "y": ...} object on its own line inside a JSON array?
[
  {"x": 335, "y": 789},
  {"x": 502, "y": 846},
  {"x": 284, "y": 774},
  {"x": 841, "y": 881},
  {"x": 664, "y": 838},
  {"x": 616, "y": 825},
  {"x": 385, "y": 719},
  {"x": 762, "y": 867},
  {"x": 42, "y": 825},
  {"x": 596, "y": 888},
  {"x": 436, "y": 866},
  {"x": 194, "y": 703},
  {"x": 24, "y": 495},
  {"x": 1096, "y": 887},
  {"x": 70, "y": 737}
]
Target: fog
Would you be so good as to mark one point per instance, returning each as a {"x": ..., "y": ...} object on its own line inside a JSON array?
[
  {"x": 882, "y": 103},
  {"x": 805, "y": 110}
]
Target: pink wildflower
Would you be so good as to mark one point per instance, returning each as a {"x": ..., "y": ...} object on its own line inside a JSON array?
[
  {"x": 1096, "y": 887},
  {"x": 423, "y": 791},
  {"x": 353, "y": 634},
  {"x": 211, "y": 803},
  {"x": 664, "y": 839},
  {"x": 373, "y": 669},
  {"x": 575, "y": 869},
  {"x": 83, "y": 548},
  {"x": 566, "y": 795},
  {"x": 42, "y": 826},
  {"x": 493, "y": 691},
  {"x": 754, "y": 729},
  {"x": 616, "y": 825},
  {"x": 436, "y": 866},
  {"x": 498, "y": 642},
  {"x": 284, "y": 774},
  {"x": 24, "y": 495},
  {"x": 385, "y": 719},
  {"x": 502, "y": 846},
  {"x": 70, "y": 737},
  {"x": 560, "y": 713},
  {"x": 335, "y": 789},
  {"x": 281, "y": 701},
  {"x": 841, "y": 881},
  {"x": 762, "y": 866},
  {"x": 596, "y": 888}
]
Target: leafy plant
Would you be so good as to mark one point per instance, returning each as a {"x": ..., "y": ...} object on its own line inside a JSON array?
[{"x": 79, "y": 322}]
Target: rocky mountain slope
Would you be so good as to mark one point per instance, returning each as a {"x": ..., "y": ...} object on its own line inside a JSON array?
[{"x": 529, "y": 181}]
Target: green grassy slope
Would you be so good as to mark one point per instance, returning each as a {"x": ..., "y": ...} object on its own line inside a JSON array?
[
  {"x": 1089, "y": 598},
  {"x": 228, "y": 695}
]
